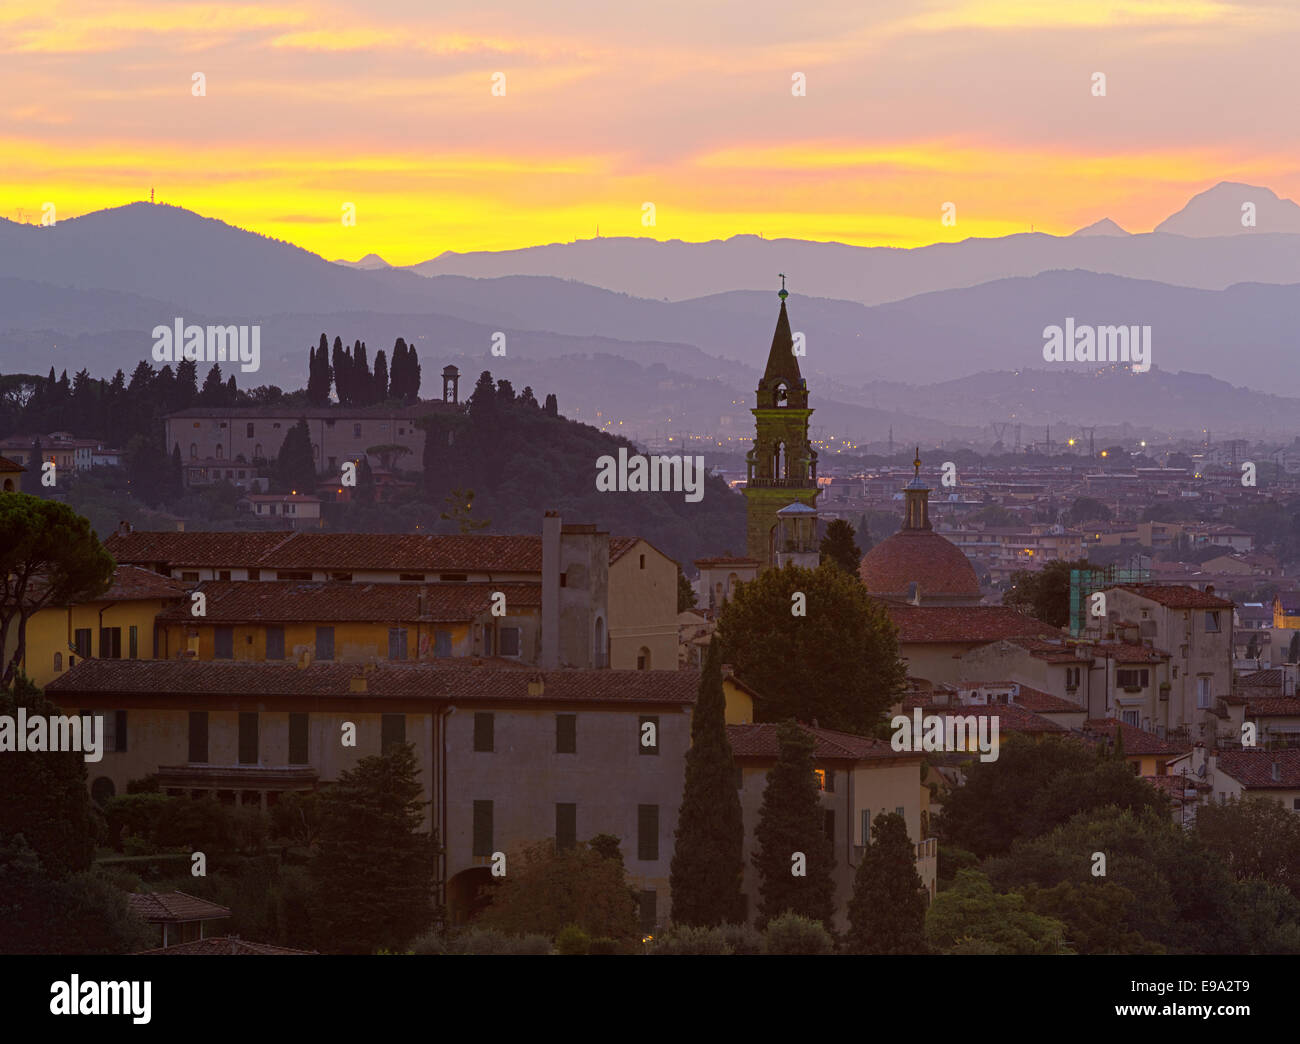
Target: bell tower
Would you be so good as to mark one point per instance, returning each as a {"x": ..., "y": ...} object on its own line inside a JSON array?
[{"x": 781, "y": 469}]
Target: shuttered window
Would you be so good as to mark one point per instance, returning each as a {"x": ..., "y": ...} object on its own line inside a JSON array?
[
  {"x": 392, "y": 731},
  {"x": 647, "y": 832},
  {"x": 566, "y": 825},
  {"x": 484, "y": 729},
  {"x": 199, "y": 737},
  {"x": 248, "y": 738},
  {"x": 298, "y": 738},
  {"x": 482, "y": 828},
  {"x": 566, "y": 734}
]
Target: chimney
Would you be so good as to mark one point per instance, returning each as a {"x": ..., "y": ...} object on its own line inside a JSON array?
[
  {"x": 304, "y": 659},
  {"x": 551, "y": 526},
  {"x": 357, "y": 684},
  {"x": 536, "y": 685},
  {"x": 123, "y": 528},
  {"x": 1277, "y": 771}
]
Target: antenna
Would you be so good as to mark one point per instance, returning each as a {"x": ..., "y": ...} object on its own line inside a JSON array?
[{"x": 150, "y": 193}]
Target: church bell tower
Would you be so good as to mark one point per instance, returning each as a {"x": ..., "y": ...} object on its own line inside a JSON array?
[{"x": 781, "y": 469}]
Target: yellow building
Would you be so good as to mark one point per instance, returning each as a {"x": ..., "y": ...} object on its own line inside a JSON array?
[
  {"x": 11, "y": 476},
  {"x": 642, "y": 606},
  {"x": 118, "y": 625}
]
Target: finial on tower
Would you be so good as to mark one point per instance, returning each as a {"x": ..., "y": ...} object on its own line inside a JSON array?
[
  {"x": 784, "y": 293},
  {"x": 916, "y": 464}
]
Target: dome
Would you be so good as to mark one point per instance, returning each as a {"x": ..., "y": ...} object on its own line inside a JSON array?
[{"x": 937, "y": 566}]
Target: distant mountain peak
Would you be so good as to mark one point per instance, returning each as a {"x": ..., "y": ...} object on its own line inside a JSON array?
[
  {"x": 369, "y": 262},
  {"x": 1104, "y": 227},
  {"x": 1223, "y": 211}
]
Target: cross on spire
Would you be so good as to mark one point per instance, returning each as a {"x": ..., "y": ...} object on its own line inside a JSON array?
[{"x": 783, "y": 294}]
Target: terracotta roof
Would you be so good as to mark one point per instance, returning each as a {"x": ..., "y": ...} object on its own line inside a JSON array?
[
  {"x": 1125, "y": 652},
  {"x": 132, "y": 583},
  {"x": 405, "y": 552},
  {"x": 965, "y": 623},
  {"x": 224, "y": 946},
  {"x": 1011, "y": 718},
  {"x": 455, "y": 680},
  {"x": 1136, "y": 741},
  {"x": 1053, "y": 652},
  {"x": 1270, "y": 678},
  {"x": 1029, "y": 698},
  {"x": 725, "y": 560},
  {"x": 1173, "y": 596},
  {"x": 1273, "y": 707},
  {"x": 10, "y": 465},
  {"x": 759, "y": 741},
  {"x": 936, "y": 565},
  {"x": 1174, "y": 785},
  {"x": 1254, "y": 768},
  {"x": 298, "y": 601},
  {"x": 173, "y": 907}
]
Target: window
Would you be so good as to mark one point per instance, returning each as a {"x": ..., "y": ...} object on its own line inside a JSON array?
[
  {"x": 1130, "y": 717},
  {"x": 255, "y": 574},
  {"x": 58, "y": 661},
  {"x": 417, "y": 578},
  {"x": 392, "y": 731},
  {"x": 190, "y": 577},
  {"x": 223, "y": 643},
  {"x": 199, "y": 737},
  {"x": 1202, "y": 692},
  {"x": 451, "y": 578},
  {"x": 566, "y": 825},
  {"x": 441, "y": 643},
  {"x": 81, "y": 642},
  {"x": 248, "y": 738},
  {"x": 509, "y": 641},
  {"x": 484, "y": 729},
  {"x": 356, "y": 431},
  {"x": 194, "y": 451},
  {"x": 298, "y": 737},
  {"x": 1132, "y": 678},
  {"x": 643, "y": 561},
  {"x": 341, "y": 577},
  {"x": 324, "y": 643},
  {"x": 248, "y": 430},
  {"x": 566, "y": 734},
  {"x": 114, "y": 730},
  {"x": 648, "y": 910},
  {"x": 397, "y": 643},
  {"x": 292, "y": 574},
  {"x": 899, "y": 812},
  {"x": 1211, "y": 622},
  {"x": 648, "y": 731},
  {"x": 830, "y": 781},
  {"x": 274, "y": 642},
  {"x": 133, "y": 642},
  {"x": 828, "y": 824},
  {"x": 643, "y": 659},
  {"x": 647, "y": 832},
  {"x": 110, "y": 643},
  {"x": 1072, "y": 677},
  {"x": 821, "y": 778},
  {"x": 482, "y": 828}
]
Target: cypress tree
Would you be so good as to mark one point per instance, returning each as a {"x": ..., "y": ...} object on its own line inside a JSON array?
[
  {"x": 397, "y": 370},
  {"x": 887, "y": 911},
  {"x": 295, "y": 467},
  {"x": 412, "y": 391},
  {"x": 708, "y": 863},
  {"x": 340, "y": 364},
  {"x": 789, "y": 822},
  {"x": 381, "y": 377},
  {"x": 318, "y": 379},
  {"x": 363, "y": 381},
  {"x": 839, "y": 547},
  {"x": 552, "y": 407}
]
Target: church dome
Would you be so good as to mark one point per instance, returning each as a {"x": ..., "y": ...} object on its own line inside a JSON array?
[{"x": 921, "y": 556}]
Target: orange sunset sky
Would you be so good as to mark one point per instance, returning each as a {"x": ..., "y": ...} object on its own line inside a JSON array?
[{"x": 388, "y": 105}]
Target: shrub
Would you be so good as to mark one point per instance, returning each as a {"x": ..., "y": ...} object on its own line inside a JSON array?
[
  {"x": 791, "y": 934},
  {"x": 491, "y": 942},
  {"x": 742, "y": 938},
  {"x": 572, "y": 941},
  {"x": 604, "y": 947},
  {"x": 135, "y": 814},
  {"x": 684, "y": 940},
  {"x": 429, "y": 943}
]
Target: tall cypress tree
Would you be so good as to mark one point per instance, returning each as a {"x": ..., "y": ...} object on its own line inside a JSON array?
[
  {"x": 412, "y": 391},
  {"x": 381, "y": 377},
  {"x": 708, "y": 864},
  {"x": 295, "y": 467},
  {"x": 397, "y": 370},
  {"x": 318, "y": 379},
  {"x": 342, "y": 371},
  {"x": 789, "y": 822},
  {"x": 887, "y": 911},
  {"x": 363, "y": 382}
]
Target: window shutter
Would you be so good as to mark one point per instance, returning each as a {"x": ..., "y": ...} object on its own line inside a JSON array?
[
  {"x": 566, "y": 825},
  {"x": 298, "y": 738},
  {"x": 566, "y": 734},
  {"x": 248, "y": 738},
  {"x": 482, "y": 828},
  {"x": 647, "y": 832},
  {"x": 199, "y": 737},
  {"x": 484, "y": 732},
  {"x": 392, "y": 728}
]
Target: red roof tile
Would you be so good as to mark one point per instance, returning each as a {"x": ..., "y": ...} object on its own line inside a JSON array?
[
  {"x": 1174, "y": 596},
  {"x": 1254, "y": 768},
  {"x": 132, "y": 584},
  {"x": 174, "y": 907},
  {"x": 936, "y": 565},
  {"x": 10, "y": 465},
  {"x": 759, "y": 741},
  {"x": 224, "y": 946},
  {"x": 1136, "y": 741},
  {"x": 1273, "y": 707}
]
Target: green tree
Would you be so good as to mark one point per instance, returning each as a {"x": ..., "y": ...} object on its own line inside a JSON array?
[
  {"x": 798, "y": 664},
  {"x": 685, "y": 592},
  {"x": 887, "y": 911},
  {"x": 295, "y": 467},
  {"x": 708, "y": 864},
  {"x": 546, "y": 889},
  {"x": 790, "y": 825},
  {"x": 365, "y": 482},
  {"x": 460, "y": 509},
  {"x": 49, "y": 556},
  {"x": 1293, "y": 649},
  {"x": 1086, "y": 509},
  {"x": 994, "y": 515},
  {"x": 839, "y": 547},
  {"x": 374, "y": 867},
  {"x": 972, "y": 918},
  {"x": 1095, "y": 916},
  {"x": 1044, "y": 593},
  {"x": 1255, "y": 837},
  {"x": 1032, "y": 788}
]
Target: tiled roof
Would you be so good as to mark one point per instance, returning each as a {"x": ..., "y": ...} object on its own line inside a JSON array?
[
  {"x": 725, "y": 560},
  {"x": 1173, "y": 596},
  {"x": 936, "y": 565},
  {"x": 1053, "y": 651},
  {"x": 173, "y": 907},
  {"x": 457, "y": 680},
  {"x": 1273, "y": 707},
  {"x": 1174, "y": 786},
  {"x": 131, "y": 584},
  {"x": 1254, "y": 768},
  {"x": 10, "y": 465},
  {"x": 1136, "y": 741},
  {"x": 759, "y": 741},
  {"x": 1011, "y": 718},
  {"x": 224, "y": 946},
  {"x": 967, "y": 623},
  {"x": 297, "y": 601},
  {"x": 1270, "y": 678},
  {"x": 404, "y": 552},
  {"x": 1125, "y": 652}
]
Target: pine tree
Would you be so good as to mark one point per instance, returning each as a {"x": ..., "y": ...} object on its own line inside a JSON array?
[
  {"x": 295, "y": 467},
  {"x": 213, "y": 391},
  {"x": 186, "y": 388},
  {"x": 527, "y": 398},
  {"x": 708, "y": 863},
  {"x": 483, "y": 402},
  {"x": 839, "y": 548},
  {"x": 374, "y": 868},
  {"x": 790, "y": 822},
  {"x": 887, "y": 911},
  {"x": 175, "y": 474}
]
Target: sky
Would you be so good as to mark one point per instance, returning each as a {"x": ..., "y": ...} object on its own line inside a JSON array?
[{"x": 388, "y": 107}]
